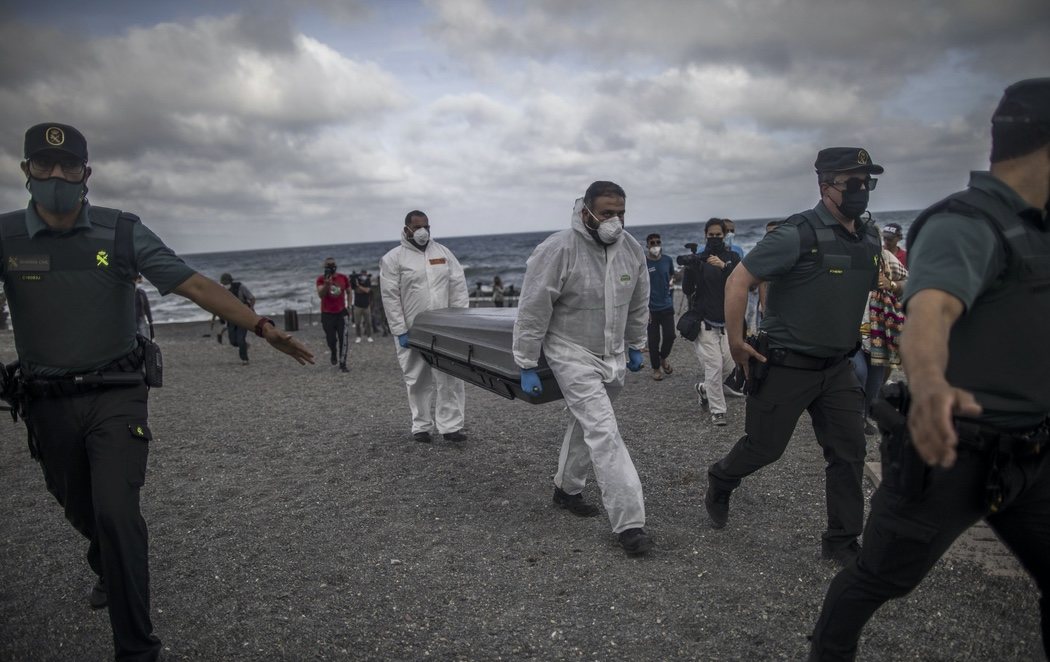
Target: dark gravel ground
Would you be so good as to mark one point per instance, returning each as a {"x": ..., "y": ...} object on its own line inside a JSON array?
[{"x": 292, "y": 518}]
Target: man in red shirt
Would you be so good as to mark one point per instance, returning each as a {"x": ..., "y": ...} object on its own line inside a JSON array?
[
  {"x": 891, "y": 237},
  {"x": 334, "y": 290}
]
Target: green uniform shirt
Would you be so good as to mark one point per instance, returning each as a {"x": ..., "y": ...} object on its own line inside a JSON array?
[
  {"x": 85, "y": 326},
  {"x": 794, "y": 282},
  {"x": 963, "y": 256}
]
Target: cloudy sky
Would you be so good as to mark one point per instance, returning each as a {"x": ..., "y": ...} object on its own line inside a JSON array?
[{"x": 229, "y": 125}]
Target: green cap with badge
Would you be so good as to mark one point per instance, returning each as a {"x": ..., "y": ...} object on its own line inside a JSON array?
[
  {"x": 51, "y": 136},
  {"x": 841, "y": 159}
]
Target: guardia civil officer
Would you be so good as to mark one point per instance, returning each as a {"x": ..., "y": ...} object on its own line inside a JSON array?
[
  {"x": 976, "y": 355},
  {"x": 820, "y": 265},
  {"x": 68, "y": 270}
]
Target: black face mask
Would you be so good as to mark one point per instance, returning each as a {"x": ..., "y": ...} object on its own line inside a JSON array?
[
  {"x": 715, "y": 244},
  {"x": 854, "y": 203}
]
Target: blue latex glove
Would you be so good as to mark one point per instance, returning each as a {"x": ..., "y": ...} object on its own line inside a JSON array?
[
  {"x": 403, "y": 340},
  {"x": 530, "y": 382},
  {"x": 634, "y": 360}
]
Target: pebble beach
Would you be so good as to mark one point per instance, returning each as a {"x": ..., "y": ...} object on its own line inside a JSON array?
[{"x": 292, "y": 517}]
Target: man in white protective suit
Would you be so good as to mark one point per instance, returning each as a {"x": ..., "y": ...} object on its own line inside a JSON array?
[
  {"x": 417, "y": 276},
  {"x": 585, "y": 302}
]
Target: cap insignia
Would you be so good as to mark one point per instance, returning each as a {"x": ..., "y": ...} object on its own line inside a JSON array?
[
  {"x": 863, "y": 158},
  {"x": 54, "y": 136}
]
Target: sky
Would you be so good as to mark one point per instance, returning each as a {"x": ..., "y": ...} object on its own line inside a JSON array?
[{"x": 244, "y": 125}]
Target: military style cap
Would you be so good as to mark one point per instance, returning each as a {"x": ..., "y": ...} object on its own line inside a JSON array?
[
  {"x": 52, "y": 136},
  {"x": 1025, "y": 102},
  {"x": 893, "y": 228},
  {"x": 839, "y": 159}
]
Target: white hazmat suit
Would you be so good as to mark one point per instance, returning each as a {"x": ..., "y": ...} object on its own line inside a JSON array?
[
  {"x": 412, "y": 281},
  {"x": 584, "y": 304}
]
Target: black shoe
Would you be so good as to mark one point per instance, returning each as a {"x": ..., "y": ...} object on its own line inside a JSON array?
[
  {"x": 455, "y": 436},
  {"x": 869, "y": 429},
  {"x": 334, "y": 361},
  {"x": 98, "y": 598},
  {"x": 574, "y": 503},
  {"x": 843, "y": 554},
  {"x": 422, "y": 437},
  {"x": 702, "y": 394},
  {"x": 343, "y": 368},
  {"x": 717, "y": 504},
  {"x": 635, "y": 541}
]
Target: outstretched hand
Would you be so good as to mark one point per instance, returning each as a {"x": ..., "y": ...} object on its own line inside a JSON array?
[{"x": 284, "y": 342}]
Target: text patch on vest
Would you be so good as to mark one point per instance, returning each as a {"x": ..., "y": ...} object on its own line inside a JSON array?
[{"x": 28, "y": 263}]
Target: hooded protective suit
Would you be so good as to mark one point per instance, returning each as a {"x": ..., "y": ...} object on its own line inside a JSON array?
[
  {"x": 413, "y": 281},
  {"x": 584, "y": 304}
]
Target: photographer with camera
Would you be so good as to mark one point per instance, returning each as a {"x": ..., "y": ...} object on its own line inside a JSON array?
[
  {"x": 335, "y": 292},
  {"x": 704, "y": 283}
]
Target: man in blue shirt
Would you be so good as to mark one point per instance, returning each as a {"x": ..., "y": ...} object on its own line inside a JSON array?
[{"x": 661, "y": 306}]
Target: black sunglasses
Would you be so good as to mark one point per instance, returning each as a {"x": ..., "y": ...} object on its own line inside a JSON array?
[{"x": 854, "y": 184}]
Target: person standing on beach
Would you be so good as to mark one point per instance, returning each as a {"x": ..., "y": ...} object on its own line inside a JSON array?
[
  {"x": 822, "y": 255},
  {"x": 584, "y": 303},
  {"x": 977, "y": 440},
  {"x": 238, "y": 334},
  {"x": 362, "y": 289},
  {"x": 68, "y": 269},
  {"x": 417, "y": 276},
  {"x": 660, "y": 329},
  {"x": 335, "y": 291},
  {"x": 704, "y": 281},
  {"x": 497, "y": 292}
]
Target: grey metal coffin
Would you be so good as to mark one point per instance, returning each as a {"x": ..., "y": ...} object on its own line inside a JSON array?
[{"x": 474, "y": 344}]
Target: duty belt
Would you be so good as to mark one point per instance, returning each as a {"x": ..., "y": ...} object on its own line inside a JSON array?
[
  {"x": 125, "y": 371},
  {"x": 788, "y": 358},
  {"x": 1018, "y": 444}
]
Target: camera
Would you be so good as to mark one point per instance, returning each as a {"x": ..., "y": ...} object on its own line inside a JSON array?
[
  {"x": 329, "y": 270},
  {"x": 692, "y": 259}
]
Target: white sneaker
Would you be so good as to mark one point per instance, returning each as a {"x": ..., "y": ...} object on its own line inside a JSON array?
[
  {"x": 370, "y": 339},
  {"x": 357, "y": 341}
]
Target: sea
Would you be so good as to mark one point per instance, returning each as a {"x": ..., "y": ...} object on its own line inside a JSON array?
[{"x": 283, "y": 278}]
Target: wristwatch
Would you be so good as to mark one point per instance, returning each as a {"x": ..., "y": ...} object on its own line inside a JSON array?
[{"x": 263, "y": 321}]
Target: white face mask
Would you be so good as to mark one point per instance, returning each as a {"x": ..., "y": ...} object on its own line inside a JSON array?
[
  {"x": 608, "y": 230},
  {"x": 421, "y": 236},
  {"x": 654, "y": 251}
]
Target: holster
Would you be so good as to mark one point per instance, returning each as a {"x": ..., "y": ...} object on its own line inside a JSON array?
[
  {"x": 757, "y": 371},
  {"x": 903, "y": 470},
  {"x": 152, "y": 362}
]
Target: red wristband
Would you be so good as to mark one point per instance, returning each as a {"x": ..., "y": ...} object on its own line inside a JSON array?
[{"x": 261, "y": 323}]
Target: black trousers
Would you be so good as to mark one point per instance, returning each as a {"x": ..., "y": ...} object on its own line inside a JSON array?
[
  {"x": 907, "y": 533},
  {"x": 835, "y": 403},
  {"x": 239, "y": 339},
  {"x": 93, "y": 449},
  {"x": 336, "y": 333},
  {"x": 661, "y": 323}
]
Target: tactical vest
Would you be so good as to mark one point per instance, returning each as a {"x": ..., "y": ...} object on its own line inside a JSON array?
[
  {"x": 821, "y": 301},
  {"x": 999, "y": 349},
  {"x": 72, "y": 295}
]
